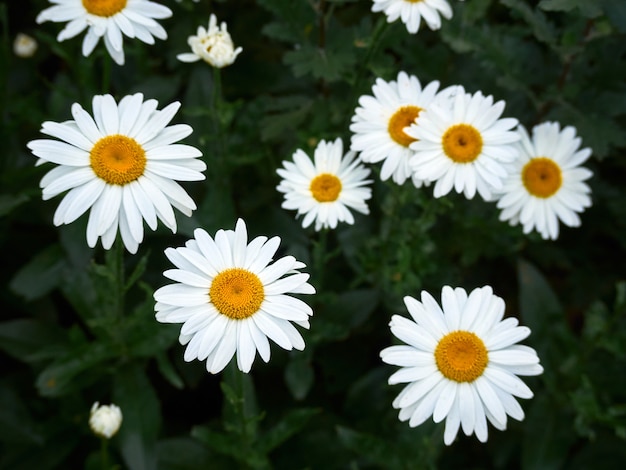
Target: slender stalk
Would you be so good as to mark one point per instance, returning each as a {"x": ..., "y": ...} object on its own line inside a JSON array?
[
  {"x": 117, "y": 268},
  {"x": 106, "y": 74},
  {"x": 104, "y": 453}
]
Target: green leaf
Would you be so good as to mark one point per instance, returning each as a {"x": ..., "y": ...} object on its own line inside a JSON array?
[
  {"x": 539, "y": 306},
  {"x": 587, "y": 8},
  {"x": 329, "y": 64},
  {"x": 75, "y": 369},
  {"x": 31, "y": 340},
  {"x": 546, "y": 441},
  {"x": 16, "y": 423},
  {"x": 290, "y": 424},
  {"x": 299, "y": 376},
  {"x": 134, "y": 394},
  {"x": 375, "y": 449},
  {"x": 167, "y": 370},
  {"x": 543, "y": 30},
  {"x": 41, "y": 274}
]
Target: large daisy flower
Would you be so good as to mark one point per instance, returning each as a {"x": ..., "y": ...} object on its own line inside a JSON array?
[
  {"x": 213, "y": 45},
  {"x": 325, "y": 189},
  {"x": 107, "y": 19},
  {"x": 460, "y": 363},
  {"x": 462, "y": 144},
  {"x": 231, "y": 298},
  {"x": 122, "y": 164},
  {"x": 546, "y": 182},
  {"x": 380, "y": 121},
  {"x": 411, "y": 12}
]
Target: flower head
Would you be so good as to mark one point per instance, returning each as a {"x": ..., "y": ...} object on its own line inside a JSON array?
[
  {"x": 461, "y": 143},
  {"x": 105, "y": 420},
  {"x": 324, "y": 189},
  {"x": 24, "y": 46},
  {"x": 122, "y": 164},
  {"x": 107, "y": 19},
  {"x": 214, "y": 46},
  {"x": 546, "y": 182},
  {"x": 231, "y": 298},
  {"x": 460, "y": 363},
  {"x": 411, "y": 12},
  {"x": 379, "y": 123}
]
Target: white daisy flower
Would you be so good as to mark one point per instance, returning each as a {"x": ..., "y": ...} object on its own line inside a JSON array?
[
  {"x": 325, "y": 189},
  {"x": 460, "y": 363},
  {"x": 105, "y": 420},
  {"x": 546, "y": 182},
  {"x": 462, "y": 144},
  {"x": 230, "y": 299},
  {"x": 107, "y": 19},
  {"x": 411, "y": 12},
  {"x": 213, "y": 45},
  {"x": 379, "y": 122},
  {"x": 122, "y": 164}
]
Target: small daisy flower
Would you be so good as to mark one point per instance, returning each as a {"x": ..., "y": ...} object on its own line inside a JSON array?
[
  {"x": 24, "y": 46},
  {"x": 325, "y": 189},
  {"x": 461, "y": 143},
  {"x": 411, "y": 12},
  {"x": 380, "y": 121},
  {"x": 213, "y": 45},
  {"x": 107, "y": 19},
  {"x": 546, "y": 182},
  {"x": 105, "y": 420},
  {"x": 460, "y": 363},
  {"x": 231, "y": 298},
  {"x": 122, "y": 164}
]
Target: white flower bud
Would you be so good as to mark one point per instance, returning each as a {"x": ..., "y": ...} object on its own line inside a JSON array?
[
  {"x": 24, "y": 45},
  {"x": 214, "y": 46},
  {"x": 105, "y": 420}
]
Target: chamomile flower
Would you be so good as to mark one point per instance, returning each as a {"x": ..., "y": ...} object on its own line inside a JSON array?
[
  {"x": 231, "y": 298},
  {"x": 122, "y": 165},
  {"x": 460, "y": 363},
  {"x": 546, "y": 182},
  {"x": 213, "y": 45},
  {"x": 379, "y": 123},
  {"x": 411, "y": 12},
  {"x": 462, "y": 144},
  {"x": 109, "y": 20},
  {"x": 326, "y": 188}
]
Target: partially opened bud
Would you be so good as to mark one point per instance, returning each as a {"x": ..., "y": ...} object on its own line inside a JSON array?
[{"x": 105, "y": 420}]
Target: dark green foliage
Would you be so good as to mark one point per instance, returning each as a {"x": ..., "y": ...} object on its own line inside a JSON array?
[{"x": 68, "y": 337}]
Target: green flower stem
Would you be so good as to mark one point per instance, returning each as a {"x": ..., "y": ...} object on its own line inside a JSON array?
[
  {"x": 106, "y": 74},
  {"x": 117, "y": 269},
  {"x": 104, "y": 453},
  {"x": 373, "y": 46}
]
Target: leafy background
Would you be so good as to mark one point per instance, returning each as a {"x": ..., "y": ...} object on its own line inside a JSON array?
[{"x": 304, "y": 65}]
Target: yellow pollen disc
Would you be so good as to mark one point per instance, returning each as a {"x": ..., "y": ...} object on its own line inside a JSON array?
[
  {"x": 461, "y": 356},
  {"x": 104, "y": 7},
  {"x": 118, "y": 159},
  {"x": 403, "y": 117},
  {"x": 462, "y": 143},
  {"x": 542, "y": 177},
  {"x": 237, "y": 293},
  {"x": 325, "y": 187}
]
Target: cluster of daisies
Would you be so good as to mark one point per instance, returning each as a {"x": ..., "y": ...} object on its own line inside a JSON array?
[
  {"x": 460, "y": 141},
  {"x": 123, "y": 164}
]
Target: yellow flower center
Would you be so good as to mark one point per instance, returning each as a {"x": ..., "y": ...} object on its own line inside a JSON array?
[
  {"x": 461, "y": 356},
  {"x": 542, "y": 177},
  {"x": 462, "y": 143},
  {"x": 104, "y": 7},
  {"x": 237, "y": 293},
  {"x": 325, "y": 187},
  {"x": 403, "y": 117},
  {"x": 118, "y": 159}
]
